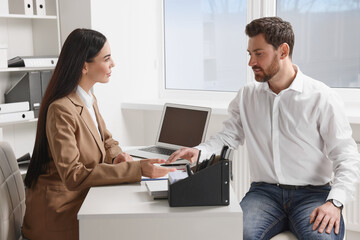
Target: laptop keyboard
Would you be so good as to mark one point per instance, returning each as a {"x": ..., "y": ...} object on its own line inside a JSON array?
[{"x": 159, "y": 150}]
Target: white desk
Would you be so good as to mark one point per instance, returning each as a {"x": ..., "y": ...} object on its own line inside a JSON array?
[{"x": 127, "y": 212}]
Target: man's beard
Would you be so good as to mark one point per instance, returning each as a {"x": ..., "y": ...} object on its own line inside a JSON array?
[{"x": 269, "y": 72}]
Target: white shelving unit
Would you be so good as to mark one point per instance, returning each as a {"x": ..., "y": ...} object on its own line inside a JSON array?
[
  {"x": 26, "y": 35},
  {"x": 26, "y": 16},
  {"x": 18, "y": 122},
  {"x": 24, "y": 69}
]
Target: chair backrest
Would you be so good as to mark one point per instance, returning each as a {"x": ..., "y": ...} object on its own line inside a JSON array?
[{"x": 12, "y": 194}]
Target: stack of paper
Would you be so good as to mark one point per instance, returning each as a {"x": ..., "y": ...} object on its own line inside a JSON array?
[
  {"x": 177, "y": 176},
  {"x": 157, "y": 189}
]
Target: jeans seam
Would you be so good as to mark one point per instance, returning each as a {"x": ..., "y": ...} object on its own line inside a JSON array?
[
  {"x": 271, "y": 226},
  {"x": 295, "y": 229}
]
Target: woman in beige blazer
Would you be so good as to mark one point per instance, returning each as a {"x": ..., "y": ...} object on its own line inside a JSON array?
[{"x": 73, "y": 149}]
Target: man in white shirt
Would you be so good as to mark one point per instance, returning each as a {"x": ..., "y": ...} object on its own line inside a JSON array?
[{"x": 297, "y": 135}]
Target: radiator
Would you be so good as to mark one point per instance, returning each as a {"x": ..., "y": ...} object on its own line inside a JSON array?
[
  {"x": 240, "y": 172},
  {"x": 241, "y": 184},
  {"x": 352, "y": 209},
  {"x": 353, "y": 213}
]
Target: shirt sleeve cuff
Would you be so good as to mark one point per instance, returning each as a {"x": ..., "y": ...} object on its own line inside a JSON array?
[
  {"x": 337, "y": 194},
  {"x": 204, "y": 153}
]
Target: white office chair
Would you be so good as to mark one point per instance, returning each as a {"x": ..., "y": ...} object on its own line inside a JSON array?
[
  {"x": 284, "y": 236},
  {"x": 12, "y": 195}
]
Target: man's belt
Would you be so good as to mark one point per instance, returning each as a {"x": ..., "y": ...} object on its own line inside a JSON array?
[{"x": 295, "y": 187}]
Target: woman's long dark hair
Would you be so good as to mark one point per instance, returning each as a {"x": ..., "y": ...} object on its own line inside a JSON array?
[{"x": 81, "y": 46}]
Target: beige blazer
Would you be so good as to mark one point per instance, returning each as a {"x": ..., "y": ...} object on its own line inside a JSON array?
[{"x": 80, "y": 159}]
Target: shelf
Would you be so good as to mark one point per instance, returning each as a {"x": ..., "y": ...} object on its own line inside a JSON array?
[
  {"x": 25, "y": 69},
  {"x": 23, "y": 16},
  {"x": 18, "y": 122}
]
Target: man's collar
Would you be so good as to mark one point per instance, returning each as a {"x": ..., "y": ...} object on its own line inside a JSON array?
[{"x": 296, "y": 85}]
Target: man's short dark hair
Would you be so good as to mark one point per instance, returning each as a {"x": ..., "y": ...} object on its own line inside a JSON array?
[{"x": 275, "y": 30}]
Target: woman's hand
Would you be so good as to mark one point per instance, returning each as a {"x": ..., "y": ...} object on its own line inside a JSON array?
[
  {"x": 150, "y": 170},
  {"x": 122, "y": 157}
]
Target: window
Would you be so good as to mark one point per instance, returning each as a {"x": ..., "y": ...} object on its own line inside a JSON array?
[
  {"x": 327, "y": 39},
  {"x": 205, "y": 44}
]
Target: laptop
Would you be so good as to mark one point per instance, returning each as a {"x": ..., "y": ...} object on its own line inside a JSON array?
[{"x": 180, "y": 126}]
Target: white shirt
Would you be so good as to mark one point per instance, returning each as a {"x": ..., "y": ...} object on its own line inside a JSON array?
[
  {"x": 297, "y": 137},
  {"x": 89, "y": 101}
]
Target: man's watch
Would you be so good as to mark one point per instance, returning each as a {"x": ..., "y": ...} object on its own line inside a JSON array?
[{"x": 336, "y": 203}]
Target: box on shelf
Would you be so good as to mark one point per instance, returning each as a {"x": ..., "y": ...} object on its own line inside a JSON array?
[
  {"x": 29, "y": 88},
  {"x": 39, "y": 7},
  {"x": 14, "y": 107},
  {"x": 44, "y": 7},
  {"x": 33, "y": 61},
  {"x": 21, "y": 7},
  {"x": 17, "y": 116}
]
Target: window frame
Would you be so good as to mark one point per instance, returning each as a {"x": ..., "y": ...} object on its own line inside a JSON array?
[{"x": 255, "y": 9}]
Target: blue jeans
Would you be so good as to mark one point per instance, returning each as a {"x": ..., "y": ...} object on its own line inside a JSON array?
[{"x": 269, "y": 210}]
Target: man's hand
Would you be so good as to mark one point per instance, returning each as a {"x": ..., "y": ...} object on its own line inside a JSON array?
[
  {"x": 326, "y": 215},
  {"x": 190, "y": 154},
  {"x": 122, "y": 157},
  {"x": 148, "y": 169}
]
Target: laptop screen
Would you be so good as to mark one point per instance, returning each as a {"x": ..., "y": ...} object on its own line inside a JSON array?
[{"x": 183, "y": 126}]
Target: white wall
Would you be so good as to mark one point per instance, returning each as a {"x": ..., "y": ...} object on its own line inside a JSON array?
[
  {"x": 133, "y": 29},
  {"x": 71, "y": 18}
]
